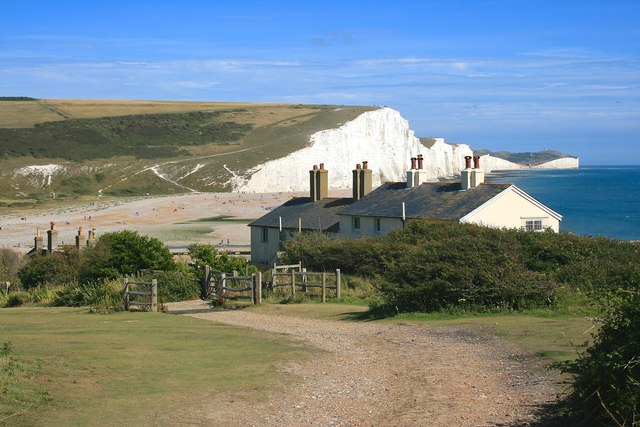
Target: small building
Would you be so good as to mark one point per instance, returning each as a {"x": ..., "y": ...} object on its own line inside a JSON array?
[{"x": 374, "y": 213}]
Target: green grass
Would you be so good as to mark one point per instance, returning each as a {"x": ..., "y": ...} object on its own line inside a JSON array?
[
  {"x": 127, "y": 368},
  {"x": 222, "y": 218}
]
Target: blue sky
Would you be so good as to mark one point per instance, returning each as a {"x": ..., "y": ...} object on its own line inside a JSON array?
[{"x": 504, "y": 75}]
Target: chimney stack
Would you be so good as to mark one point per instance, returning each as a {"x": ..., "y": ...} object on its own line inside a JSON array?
[
  {"x": 356, "y": 183},
  {"x": 92, "y": 237},
  {"x": 477, "y": 175},
  {"x": 79, "y": 239},
  {"x": 322, "y": 183},
  {"x": 312, "y": 183},
  {"x": 420, "y": 175},
  {"x": 38, "y": 241},
  {"x": 366, "y": 179},
  {"x": 411, "y": 174},
  {"x": 52, "y": 237},
  {"x": 465, "y": 174},
  {"x": 413, "y": 163},
  {"x": 420, "y": 161}
]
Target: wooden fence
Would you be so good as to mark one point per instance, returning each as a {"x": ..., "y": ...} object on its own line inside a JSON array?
[
  {"x": 303, "y": 281},
  {"x": 219, "y": 285},
  {"x": 149, "y": 298}
]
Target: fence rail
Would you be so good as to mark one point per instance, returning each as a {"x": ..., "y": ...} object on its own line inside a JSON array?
[
  {"x": 150, "y": 297},
  {"x": 300, "y": 279}
]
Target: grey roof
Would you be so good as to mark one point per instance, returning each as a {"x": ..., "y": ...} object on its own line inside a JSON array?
[
  {"x": 438, "y": 200},
  {"x": 321, "y": 215}
]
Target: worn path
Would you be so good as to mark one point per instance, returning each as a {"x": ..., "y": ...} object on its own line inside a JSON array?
[{"x": 389, "y": 374}]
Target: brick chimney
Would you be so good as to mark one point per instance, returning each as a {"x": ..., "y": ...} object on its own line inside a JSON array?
[
  {"x": 322, "y": 183},
  {"x": 52, "y": 237},
  {"x": 477, "y": 175},
  {"x": 366, "y": 179},
  {"x": 80, "y": 242},
  {"x": 356, "y": 182},
  {"x": 312, "y": 183},
  {"x": 465, "y": 175},
  {"x": 38, "y": 241}
]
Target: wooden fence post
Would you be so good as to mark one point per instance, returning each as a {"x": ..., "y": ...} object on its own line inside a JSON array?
[
  {"x": 222, "y": 285},
  {"x": 324, "y": 287},
  {"x": 154, "y": 295},
  {"x": 338, "y": 283},
  {"x": 304, "y": 280},
  {"x": 257, "y": 286},
  {"x": 293, "y": 283},
  {"x": 273, "y": 278},
  {"x": 126, "y": 294},
  {"x": 204, "y": 291}
]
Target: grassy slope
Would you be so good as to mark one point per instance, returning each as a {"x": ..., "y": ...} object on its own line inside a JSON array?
[
  {"x": 264, "y": 132},
  {"x": 102, "y": 369}
]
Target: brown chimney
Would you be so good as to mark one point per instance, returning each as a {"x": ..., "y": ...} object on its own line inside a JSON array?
[
  {"x": 79, "y": 239},
  {"x": 420, "y": 159},
  {"x": 476, "y": 162},
  {"x": 467, "y": 162},
  {"x": 356, "y": 182},
  {"x": 312, "y": 183},
  {"x": 365, "y": 179},
  {"x": 52, "y": 237},
  {"x": 413, "y": 163},
  {"x": 38, "y": 241},
  {"x": 322, "y": 183}
]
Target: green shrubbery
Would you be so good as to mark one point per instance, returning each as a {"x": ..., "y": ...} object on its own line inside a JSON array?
[
  {"x": 606, "y": 386},
  {"x": 432, "y": 266}
]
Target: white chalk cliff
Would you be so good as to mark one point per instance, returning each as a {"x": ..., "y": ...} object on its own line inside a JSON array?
[{"x": 381, "y": 137}]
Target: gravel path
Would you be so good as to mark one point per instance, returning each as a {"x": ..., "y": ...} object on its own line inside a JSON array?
[{"x": 388, "y": 374}]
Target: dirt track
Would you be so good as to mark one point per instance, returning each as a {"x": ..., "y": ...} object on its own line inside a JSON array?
[{"x": 387, "y": 374}]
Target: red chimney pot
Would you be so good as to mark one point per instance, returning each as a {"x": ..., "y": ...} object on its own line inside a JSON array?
[
  {"x": 358, "y": 166},
  {"x": 413, "y": 163},
  {"x": 365, "y": 164},
  {"x": 420, "y": 159},
  {"x": 321, "y": 166},
  {"x": 476, "y": 162},
  {"x": 467, "y": 162}
]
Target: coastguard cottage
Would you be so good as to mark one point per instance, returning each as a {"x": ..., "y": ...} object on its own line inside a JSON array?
[{"x": 390, "y": 206}]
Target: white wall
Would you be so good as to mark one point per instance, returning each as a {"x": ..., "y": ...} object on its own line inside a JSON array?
[{"x": 508, "y": 210}]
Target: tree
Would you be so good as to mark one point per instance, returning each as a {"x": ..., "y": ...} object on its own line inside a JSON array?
[
  {"x": 202, "y": 255},
  {"x": 123, "y": 252},
  {"x": 10, "y": 263},
  {"x": 50, "y": 269}
]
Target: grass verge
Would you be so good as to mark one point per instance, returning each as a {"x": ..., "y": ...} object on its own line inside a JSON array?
[{"x": 137, "y": 368}]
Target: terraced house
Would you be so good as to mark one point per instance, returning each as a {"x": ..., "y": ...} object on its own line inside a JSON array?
[{"x": 390, "y": 206}]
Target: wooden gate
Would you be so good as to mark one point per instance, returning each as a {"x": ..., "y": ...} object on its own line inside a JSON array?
[
  {"x": 147, "y": 290},
  {"x": 304, "y": 282},
  {"x": 219, "y": 285}
]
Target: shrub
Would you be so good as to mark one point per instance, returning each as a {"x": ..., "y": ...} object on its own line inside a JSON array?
[
  {"x": 123, "y": 253},
  {"x": 205, "y": 255},
  {"x": 10, "y": 263},
  {"x": 606, "y": 377},
  {"x": 179, "y": 285},
  {"x": 50, "y": 269},
  {"x": 16, "y": 299},
  {"x": 107, "y": 295}
]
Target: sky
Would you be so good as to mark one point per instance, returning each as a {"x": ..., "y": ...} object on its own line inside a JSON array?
[{"x": 515, "y": 75}]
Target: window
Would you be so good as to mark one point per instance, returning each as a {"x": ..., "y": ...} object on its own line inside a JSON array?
[
  {"x": 377, "y": 224},
  {"x": 356, "y": 223},
  {"x": 265, "y": 234},
  {"x": 532, "y": 224}
]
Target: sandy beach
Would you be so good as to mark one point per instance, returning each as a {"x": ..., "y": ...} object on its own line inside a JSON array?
[{"x": 176, "y": 220}]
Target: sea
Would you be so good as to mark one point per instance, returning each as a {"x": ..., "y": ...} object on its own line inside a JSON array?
[{"x": 593, "y": 200}]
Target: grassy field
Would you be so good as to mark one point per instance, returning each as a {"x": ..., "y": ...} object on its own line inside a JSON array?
[{"x": 100, "y": 369}]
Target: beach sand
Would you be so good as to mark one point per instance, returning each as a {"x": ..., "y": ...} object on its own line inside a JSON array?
[{"x": 176, "y": 220}]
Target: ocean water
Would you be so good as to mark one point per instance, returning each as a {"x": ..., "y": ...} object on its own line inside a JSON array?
[{"x": 593, "y": 200}]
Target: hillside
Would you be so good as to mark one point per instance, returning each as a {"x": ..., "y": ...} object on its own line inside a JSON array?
[{"x": 82, "y": 148}]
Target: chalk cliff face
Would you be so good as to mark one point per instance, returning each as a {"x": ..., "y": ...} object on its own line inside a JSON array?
[{"x": 382, "y": 137}]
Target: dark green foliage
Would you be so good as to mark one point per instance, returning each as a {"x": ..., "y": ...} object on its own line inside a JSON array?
[
  {"x": 205, "y": 255},
  {"x": 142, "y": 136},
  {"x": 440, "y": 265},
  {"x": 606, "y": 386},
  {"x": 179, "y": 285},
  {"x": 50, "y": 269},
  {"x": 10, "y": 263},
  {"x": 123, "y": 253},
  {"x": 17, "y": 299},
  {"x": 17, "y": 98}
]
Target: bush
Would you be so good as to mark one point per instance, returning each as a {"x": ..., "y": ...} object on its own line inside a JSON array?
[
  {"x": 123, "y": 253},
  {"x": 432, "y": 265},
  {"x": 606, "y": 377},
  {"x": 16, "y": 299},
  {"x": 50, "y": 269},
  {"x": 179, "y": 285},
  {"x": 205, "y": 255},
  {"x": 10, "y": 263}
]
